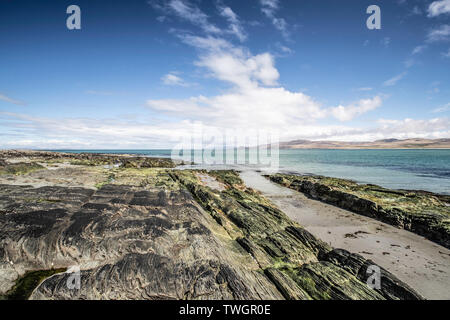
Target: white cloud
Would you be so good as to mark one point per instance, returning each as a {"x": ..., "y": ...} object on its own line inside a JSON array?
[
  {"x": 234, "y": 23},
  {"x": 440, "y": 34},
  {"x": 41, "y": 132},
  {"x": 269, "y": 8},
  {"x": 410, "y": 128},
  {"x": 283, "y": 50},
  {"x": 206, "y": 43},
  {"x": 257, "y": 107},
  {"x": 349, "y": 112},
  {"x": 409, "y": 62},
  {"x": 416, "y": 11},
  {"x": 86, "y": 133},
  {"x": 11, "y": 100},
  {"x": 234, "y": 64},
  {"x": 418, "y": 49},
  {"x": 254, "y": 99},
  {"x": 191, "y": 13},
  {"x": 364, "y": 89},
  {"x": 171, "y": 79},
  {"x": 187, "y": 11},
  {"x": 443, "y": 108},
  {"x": 393, "y": 81},
  {"x": 242, "y": 70},
  {"x": 437, "y": 8}
]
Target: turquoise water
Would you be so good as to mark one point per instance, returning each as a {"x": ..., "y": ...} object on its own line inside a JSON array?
[{"x": 397, "y": 169}]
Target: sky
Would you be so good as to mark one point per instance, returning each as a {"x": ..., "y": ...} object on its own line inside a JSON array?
[{"x": 141, "y": 74}]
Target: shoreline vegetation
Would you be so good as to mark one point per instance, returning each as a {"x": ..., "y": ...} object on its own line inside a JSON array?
[{"x": 140, "y": 229}]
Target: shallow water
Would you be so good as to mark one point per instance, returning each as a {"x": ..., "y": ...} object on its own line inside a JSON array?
[{"x": 395, "y": 169}]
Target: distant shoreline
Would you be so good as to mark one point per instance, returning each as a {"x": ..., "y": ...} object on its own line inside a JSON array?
[{"x": 420, "y": 144}]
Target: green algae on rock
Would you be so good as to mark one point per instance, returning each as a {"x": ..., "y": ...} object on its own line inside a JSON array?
[
  {"x": 291, "y": 257},
  {"x": 18, "y": 168},
  {"x": 424, "y": 213},
  {"x": 25, "y": 285}
]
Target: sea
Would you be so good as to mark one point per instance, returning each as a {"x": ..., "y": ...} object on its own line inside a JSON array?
[{"x": 414, "y": 169}]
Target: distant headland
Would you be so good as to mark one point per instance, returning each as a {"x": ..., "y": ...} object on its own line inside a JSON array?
[{"x": 416, "y": 143}]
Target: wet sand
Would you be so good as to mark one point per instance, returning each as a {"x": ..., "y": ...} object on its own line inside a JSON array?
[{"x": 420, "y": 263}]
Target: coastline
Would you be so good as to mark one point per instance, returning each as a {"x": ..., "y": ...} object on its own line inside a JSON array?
[
  {"x": 248, "y": 230},
  {"x": 422, "y": 264}
]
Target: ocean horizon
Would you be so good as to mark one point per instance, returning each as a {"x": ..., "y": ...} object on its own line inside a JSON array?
[{"x": 410, "y": 169}]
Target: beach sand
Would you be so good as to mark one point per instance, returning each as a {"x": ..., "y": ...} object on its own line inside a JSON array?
[{"x": 420, "y": 263}]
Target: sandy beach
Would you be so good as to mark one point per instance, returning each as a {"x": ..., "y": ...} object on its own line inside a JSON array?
[{"x": 420, "y": 263}]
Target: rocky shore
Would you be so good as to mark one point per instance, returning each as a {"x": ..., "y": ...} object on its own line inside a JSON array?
[
  {"x": 424, "y": 213},
  {"x": 139, "y": 229}
]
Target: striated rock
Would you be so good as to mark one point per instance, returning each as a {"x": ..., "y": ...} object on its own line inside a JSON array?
[
  {"x": 286, "y": 285},
  {"x": 129, "y": 244},
  {"x": 292, "y": 258},
  {"x": 325, "y": 280},
  {"x": 391, "y": 287},
  {"x": 421, "y": 212}
]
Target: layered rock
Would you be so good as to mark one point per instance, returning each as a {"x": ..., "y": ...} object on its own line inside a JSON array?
[
  {"x": 298, "y": 263},
  {"x": 129, "y": 243}
]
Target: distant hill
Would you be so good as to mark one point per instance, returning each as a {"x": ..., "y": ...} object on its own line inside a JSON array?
[{"x": 378, "y": 144}]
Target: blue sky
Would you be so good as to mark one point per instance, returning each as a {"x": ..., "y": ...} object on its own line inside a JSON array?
[{"x": 139, "y": 74}]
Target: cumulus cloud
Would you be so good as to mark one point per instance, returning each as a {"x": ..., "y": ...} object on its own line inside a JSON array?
[
  {"x": 437, "y": 8},
  {"x": 349, "y": 112},
  {"x": 255, "y": 98},
  {"x": 235, "y": 65},
  {"x": 242, "y": 70},
  {"x": 258, "y": 107}
]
